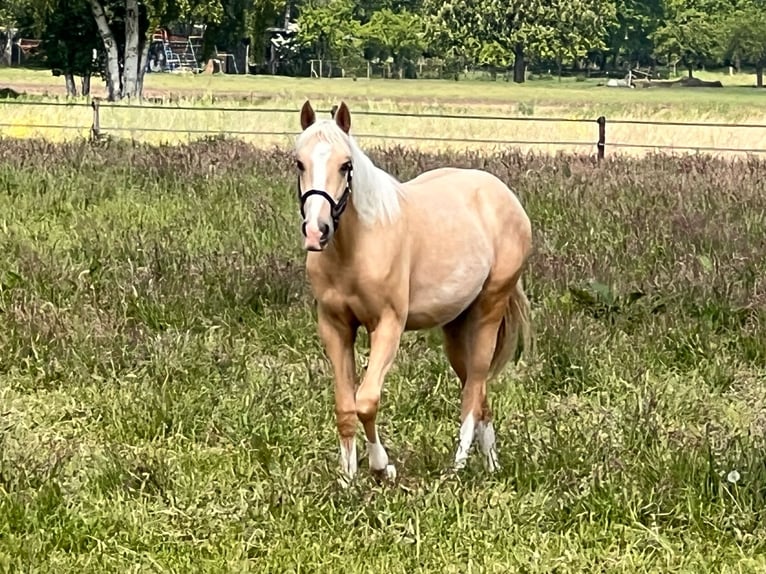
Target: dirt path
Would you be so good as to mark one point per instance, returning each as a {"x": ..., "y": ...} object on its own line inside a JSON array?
[{"x": 58, "y": 89}]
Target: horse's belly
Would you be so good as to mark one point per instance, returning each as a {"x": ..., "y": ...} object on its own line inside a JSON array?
[{"x": 438, "y": 298}]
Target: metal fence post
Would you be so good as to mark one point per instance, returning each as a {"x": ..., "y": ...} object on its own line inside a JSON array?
[
  {"x": 95, "y": 128},
  {"x": 601, "y": 137}
]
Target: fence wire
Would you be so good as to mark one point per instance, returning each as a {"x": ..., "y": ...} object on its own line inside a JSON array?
[
  {"x": 98, "y": 105},
  {"x": 247, "y": 109}
]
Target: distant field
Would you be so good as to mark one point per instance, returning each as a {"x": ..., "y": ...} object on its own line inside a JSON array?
[
  {"x": 165, "y": 405},
  {"x": 537, "y": 98}
]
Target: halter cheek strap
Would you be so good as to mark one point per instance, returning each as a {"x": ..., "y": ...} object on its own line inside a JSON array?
[{"x": 336, "y": 207}]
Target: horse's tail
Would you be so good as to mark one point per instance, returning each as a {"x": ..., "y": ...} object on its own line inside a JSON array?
[{"x": 515, "y": 328}]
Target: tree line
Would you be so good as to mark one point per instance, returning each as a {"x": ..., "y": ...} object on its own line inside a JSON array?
[{"x": 495, "y": 34}]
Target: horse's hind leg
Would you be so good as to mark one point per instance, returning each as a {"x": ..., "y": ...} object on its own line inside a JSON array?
[{"x": 470, "y": 344}]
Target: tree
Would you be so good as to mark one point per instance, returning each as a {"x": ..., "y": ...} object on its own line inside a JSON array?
[
  {"x": 556, "y": 29},
  {"x": 328, "y": 27},
  {"x": 570, "y": 29},
  {"x": 451, "y": 29},
  {"x": 398, "y": 35},
  {"x": 241, "y": 19},
  {"x": 745, "y": 36},
  {"x": 636, "y": 21},
  {"x": 69, "y": 40},
  {"x": 690, "y": 33},
  {"x": 125, "y": 28},
  {"x": 11, "y": 12}
]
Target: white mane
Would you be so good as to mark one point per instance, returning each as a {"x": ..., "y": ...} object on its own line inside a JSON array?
[{"x": 374, "y": 192}]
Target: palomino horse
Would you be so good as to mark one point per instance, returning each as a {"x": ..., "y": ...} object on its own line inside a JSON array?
[{"x": 446, "y": 249}]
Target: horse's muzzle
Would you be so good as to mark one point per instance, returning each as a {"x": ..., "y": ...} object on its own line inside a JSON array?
[{"x": 315, "y": 239}]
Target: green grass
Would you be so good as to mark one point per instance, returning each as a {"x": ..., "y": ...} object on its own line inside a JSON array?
[
  {"x": 541, "y": 97},
  {"x": 166, "y": 407}
]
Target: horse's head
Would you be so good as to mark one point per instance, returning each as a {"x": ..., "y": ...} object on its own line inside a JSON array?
[{"x": 324, "y": 163}]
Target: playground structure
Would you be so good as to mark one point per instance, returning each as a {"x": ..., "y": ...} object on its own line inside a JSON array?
[{"x": 172, "y": 53}]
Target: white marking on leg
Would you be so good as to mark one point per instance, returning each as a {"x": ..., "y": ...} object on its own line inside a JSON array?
[
  {"x": 466, "y": 439},
  {"x": 378, "y": 458},
  {"x": 348, "y": 463},
  {"x": 377, "y": 455},
  {"x": 485, "y": 432}
]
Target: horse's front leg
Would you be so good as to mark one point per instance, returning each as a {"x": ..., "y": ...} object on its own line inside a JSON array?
[
  {"x": 338, "y": 336},
  {"x": 384, "y": 343}
]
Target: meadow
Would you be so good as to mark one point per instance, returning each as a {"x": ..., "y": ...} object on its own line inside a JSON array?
[
  {"x": 166, "y": 407},
  {"x": 737, "y": 102}
]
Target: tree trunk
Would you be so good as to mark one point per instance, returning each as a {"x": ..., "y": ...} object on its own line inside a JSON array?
[
  {"x": 142, "y": 63},
  {"x": 110, "y": 46},
  {"x": 132, "y": 56},
  {"x": 85, "y": 83},
  {"x": 71, "y": 87},
  {"x": 691, "y": 70},
  {"x": 8, "y": 48},
  {"x": 759, "y": 74},
  {"x": 519, "y": 66}
]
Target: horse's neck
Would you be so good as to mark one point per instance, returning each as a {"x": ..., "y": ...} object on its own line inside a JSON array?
[
  {"x": 349, "y": 233},
  {"x": 353, "y": 236}
]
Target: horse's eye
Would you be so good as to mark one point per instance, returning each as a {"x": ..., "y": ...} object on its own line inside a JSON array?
[
  {"x": 346, "y": 167},
  {"x": 299, "y": 165}
]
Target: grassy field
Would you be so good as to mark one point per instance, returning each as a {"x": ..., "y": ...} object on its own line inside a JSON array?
[
  {"x": 165, "y": 405},
  {"x": 586, "y": 100}
]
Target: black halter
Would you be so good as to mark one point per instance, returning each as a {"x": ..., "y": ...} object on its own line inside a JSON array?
[{"x": 336, "y": 208}]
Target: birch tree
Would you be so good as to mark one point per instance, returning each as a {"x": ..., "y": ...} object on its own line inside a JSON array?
[{"x": 135, "y": 21}]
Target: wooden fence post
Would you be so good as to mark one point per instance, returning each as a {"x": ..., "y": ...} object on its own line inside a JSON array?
[
  {"x": 601, "y": 137},
  {"x": 95, "y": 129}
]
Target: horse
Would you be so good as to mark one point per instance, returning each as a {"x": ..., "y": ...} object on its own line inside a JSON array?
[{"x": 446, "y": 249}]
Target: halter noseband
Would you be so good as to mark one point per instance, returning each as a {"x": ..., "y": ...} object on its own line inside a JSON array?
[{"x": 336, "y": 207}]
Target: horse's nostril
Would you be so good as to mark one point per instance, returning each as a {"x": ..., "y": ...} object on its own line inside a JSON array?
[{"x": 324, "y": 228}]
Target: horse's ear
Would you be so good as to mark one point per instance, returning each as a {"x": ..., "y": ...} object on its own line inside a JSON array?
[
  {"x": 343, "y": 117},
  {"x": 308, "y": 116}
]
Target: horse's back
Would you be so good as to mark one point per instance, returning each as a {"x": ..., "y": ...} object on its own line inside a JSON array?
[{"x": 466, "y": 194}]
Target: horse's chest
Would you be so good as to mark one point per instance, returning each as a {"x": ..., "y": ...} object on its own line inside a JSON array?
[{"x": 364, "y": 298}]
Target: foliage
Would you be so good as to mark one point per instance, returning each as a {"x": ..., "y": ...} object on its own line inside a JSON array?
[
  {"x": 690, "y": 33},
  {"x": 329, "y": 28},
  {"x": 492, "y": 33},
  {"x": 239, "y": 19},
  {"x": 636, "y": 22},
  {"x": 12, "y": 10},
  {"x": 490, "y": 30},
  {"x": 745, "y": 35},
  {"x": 70, "y": 38},
  {"x": 396, "y": 35}
]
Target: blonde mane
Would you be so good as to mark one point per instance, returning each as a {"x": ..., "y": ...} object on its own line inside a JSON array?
[{"x": 375, "y": 193}]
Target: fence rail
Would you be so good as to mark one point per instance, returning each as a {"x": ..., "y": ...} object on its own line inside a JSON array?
[{"x": 97, "y": 130}]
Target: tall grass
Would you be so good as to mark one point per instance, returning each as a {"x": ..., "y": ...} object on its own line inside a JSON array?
[{"x": 166, "y": 405}]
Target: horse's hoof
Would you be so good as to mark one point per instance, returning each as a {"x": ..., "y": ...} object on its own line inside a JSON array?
[
  {"x": 345, "y": 480},
  {"x": 491, "y": 463},
  {"x": 388, "y": 473}
]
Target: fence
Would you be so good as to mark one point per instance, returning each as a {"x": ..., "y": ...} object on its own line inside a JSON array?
[{"x": 599, "y": 141}]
